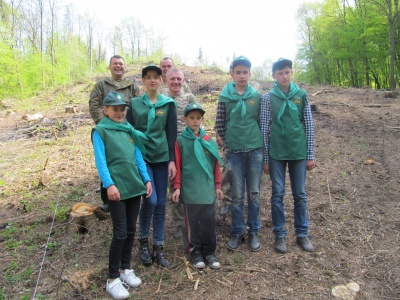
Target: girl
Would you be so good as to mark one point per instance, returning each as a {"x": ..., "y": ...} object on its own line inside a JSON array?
[
  {"x": 155, "y": 116},
  {"x": 122, "y": 170}
]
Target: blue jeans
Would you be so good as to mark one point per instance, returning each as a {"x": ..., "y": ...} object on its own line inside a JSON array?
[
  {"x": 154, "y": 206},
  {"x": 297, "y": 175},
  {"x": 245, "y": 170}
]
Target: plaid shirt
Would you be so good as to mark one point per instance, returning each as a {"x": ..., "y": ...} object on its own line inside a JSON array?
[{"x": 265, "y": 122}]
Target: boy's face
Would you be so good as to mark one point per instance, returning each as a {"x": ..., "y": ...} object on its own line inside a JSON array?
[
  {"x": 116, "y": 113},
  {"x": 241, "y": 75},
  {"x": 194, "y": 119},
  {"x": 283, "y": 77},
  {"x": 151, "y": 80}
]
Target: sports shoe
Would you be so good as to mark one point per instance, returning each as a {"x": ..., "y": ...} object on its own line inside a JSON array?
[
  {"x": 305, "y": 244},
  {"x": 117, "y": 289},
  {"x": 197, "y": 260},
  {"x": 130, "y": 278},
  {"x": 212, "y": 261},
  {"x": 280, "y": 245}
]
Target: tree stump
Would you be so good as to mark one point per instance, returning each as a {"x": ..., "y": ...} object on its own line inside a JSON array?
[{"x": 83, "y": 218}]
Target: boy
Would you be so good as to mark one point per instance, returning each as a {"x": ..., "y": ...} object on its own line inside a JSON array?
[
  {"x": 237, "y": 126},
  {"x": 288, "y": 138},
  {"x": 198, "y": 171},
  {"x": 122, "y": 170}
]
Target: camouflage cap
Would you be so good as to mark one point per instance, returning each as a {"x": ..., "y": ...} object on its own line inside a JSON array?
[
  {"x": 192, "y": 107},
  {"x": 241, "y": 60},
  {"x": 280, "y": 64},
  {"x": 114, "y": 98},
  {"x": 151, "y": 67}
]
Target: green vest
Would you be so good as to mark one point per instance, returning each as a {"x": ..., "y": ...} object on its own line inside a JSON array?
[
  {"x": 156, "y": 145},
  {"x": 196, "y": 186},
  {"x": 121, "y": 162},
  {"x": 288, "y": 142},
  {"x": 244, "y": 132}
]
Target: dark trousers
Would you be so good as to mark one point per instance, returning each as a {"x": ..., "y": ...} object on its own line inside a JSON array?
[
  {"x": 124, "y": 215},
  {"x": 200, "y": 227}
]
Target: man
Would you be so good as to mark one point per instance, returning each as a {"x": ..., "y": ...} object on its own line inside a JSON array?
[
  {"x": 166, "y": 64},
  {"x": 117, "y": 82},
  {"x": 175, "y": 80}
]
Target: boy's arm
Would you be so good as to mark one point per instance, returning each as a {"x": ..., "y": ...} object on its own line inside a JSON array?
[
  {"x": 100, "y": 160},
  {"x": 309, "y": 128},
  {"x": 265, "y": 124},
  {"x": 141, "y": 165},
  {"x": 220, "y": 121}
]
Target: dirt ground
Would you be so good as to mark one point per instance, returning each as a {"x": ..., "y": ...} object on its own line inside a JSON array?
[{"x": 353, "y": 194}]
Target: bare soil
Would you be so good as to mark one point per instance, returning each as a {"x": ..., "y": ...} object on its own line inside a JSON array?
[{"x": 47, "y": 166}]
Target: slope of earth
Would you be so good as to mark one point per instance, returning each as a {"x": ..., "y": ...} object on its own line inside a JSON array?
[{"x": 47, "y": 166}]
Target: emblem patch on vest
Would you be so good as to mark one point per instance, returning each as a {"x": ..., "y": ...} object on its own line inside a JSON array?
[
  {"x": 130, "y": 140},
  {"x": 252, "y": 102},
  {"x": 297, "y": 101},
  {"x": 160, "y": 112}
]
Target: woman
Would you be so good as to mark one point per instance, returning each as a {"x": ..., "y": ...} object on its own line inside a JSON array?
[{"x": 155, "y": 116}]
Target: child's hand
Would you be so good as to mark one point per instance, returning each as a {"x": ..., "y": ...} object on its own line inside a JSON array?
[
  {"x": 266, "y": 169},
  {"x": 113, "y": 193},
  {"x": 171, "y": 170},
  {"x": 219, "y": 193},
  {"x": 175, "y": 195},
  {"x": 149, "y": 189},
  {"x": 310, "y": 165},
  {"x": 220, "y": 141}
]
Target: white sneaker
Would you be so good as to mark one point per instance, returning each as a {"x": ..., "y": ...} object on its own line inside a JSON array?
[
  {"x": 117, "y": 289},
  {"x": 130, "y": 278}
]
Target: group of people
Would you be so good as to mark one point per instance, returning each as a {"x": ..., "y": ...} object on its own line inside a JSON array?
[{"x": 146, "y": 141}]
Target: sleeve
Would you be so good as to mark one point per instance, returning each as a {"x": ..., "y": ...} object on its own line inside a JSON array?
[
  {"x": 100, "y": 160},
  {"x": 220, "y": 120},
  {"x": 171, "y": 130},
  {"x": 96, "y": 103},
  {"x": 217, "y": 175},
  {"x": 265, "y": 124},
  {"x": 141, "y": 165},
  {"x": 129, "y": 115},
  {"x": 309, "y": 128},
  {"x": 178, "y": 164}
]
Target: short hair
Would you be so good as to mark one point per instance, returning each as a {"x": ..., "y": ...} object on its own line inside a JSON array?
[
  {"x": 116, "y": 56},
  {"x": 165, "y": 58},
  {"x": 175, "y": 70}
]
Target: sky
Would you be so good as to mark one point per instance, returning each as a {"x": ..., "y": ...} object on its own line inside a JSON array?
[{"x": 257, "y": 29}]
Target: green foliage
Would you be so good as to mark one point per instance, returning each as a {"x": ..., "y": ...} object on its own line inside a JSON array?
[{"x": 344, "y": 44}]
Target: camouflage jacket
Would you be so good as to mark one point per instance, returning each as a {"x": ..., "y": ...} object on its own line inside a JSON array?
[
  {"x": 127, "y": 86},
  {"x": 181, "y": 101}
]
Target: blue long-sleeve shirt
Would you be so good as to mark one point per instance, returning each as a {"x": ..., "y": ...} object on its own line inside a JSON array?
[{"x": 101, "y": 162}]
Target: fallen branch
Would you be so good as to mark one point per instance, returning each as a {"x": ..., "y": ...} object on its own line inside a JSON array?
[
  {"x": 377, "y": 105},
  {"x": 322, "y": 92},
  {"x": 329, "y": 193}
]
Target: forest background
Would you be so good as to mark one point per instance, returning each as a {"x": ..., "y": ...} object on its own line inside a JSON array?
[{"x": 343, "y": 43}]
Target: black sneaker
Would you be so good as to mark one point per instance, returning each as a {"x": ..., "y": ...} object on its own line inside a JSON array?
[
  {"x": 197, "y": 260},
  {"x": 212, "y": 261}
]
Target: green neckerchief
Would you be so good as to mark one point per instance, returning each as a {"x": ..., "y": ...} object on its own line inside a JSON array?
[
  {"x": 136, "y": 135},
  {"x": 161, "y": 101},
  {"x": 199, "y": 142},
  {"x": 293, "y": 89},
  {"x": 229, "y": 94}
]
